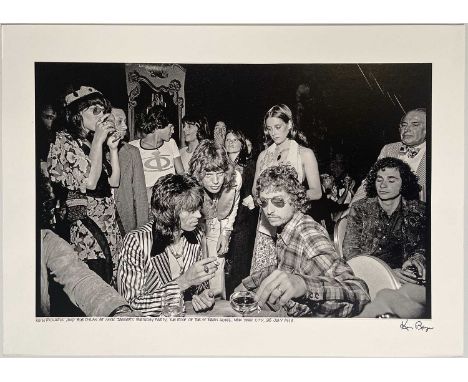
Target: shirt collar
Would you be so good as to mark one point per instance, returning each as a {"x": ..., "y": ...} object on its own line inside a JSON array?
[
  {"x": 394, "y": 213},
  {"x": 290, "y": 228},
  {"x": 421, "y": 146}
]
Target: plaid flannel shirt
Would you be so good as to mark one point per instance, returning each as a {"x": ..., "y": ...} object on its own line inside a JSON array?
[{"x": 304, "y": 248}]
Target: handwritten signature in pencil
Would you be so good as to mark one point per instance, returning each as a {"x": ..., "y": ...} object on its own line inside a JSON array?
[{"x": 418, "y": 325}]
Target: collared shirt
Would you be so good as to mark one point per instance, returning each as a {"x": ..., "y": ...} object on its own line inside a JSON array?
[
  {"x": 146, "y": 280},
  {"x": 414, "y": 162},
  {"x": 394, "y": 239},
  {"x": 303, "y": 248}
]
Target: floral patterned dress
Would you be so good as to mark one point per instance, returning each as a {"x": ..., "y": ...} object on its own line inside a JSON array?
[{"x": 69, "y": 166}]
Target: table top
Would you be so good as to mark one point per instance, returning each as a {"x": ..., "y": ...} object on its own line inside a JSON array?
[{"x": 222, "y": 308}]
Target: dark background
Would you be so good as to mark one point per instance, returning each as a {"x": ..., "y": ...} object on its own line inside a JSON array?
[{"x": 348, "y": 113}]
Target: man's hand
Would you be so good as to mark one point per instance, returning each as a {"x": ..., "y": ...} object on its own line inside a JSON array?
[
  {"x": 415, "y": 263},
  {"x": 406, "y": 276},
  {"x": 223, "y": 243},
  {"x": 198, "y": 272},
  {"x": 280, "y": 287},
  {"x": 204, "y": 301}
]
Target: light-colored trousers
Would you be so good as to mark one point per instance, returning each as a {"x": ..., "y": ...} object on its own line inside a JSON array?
[{"x": 217, "y": 283}]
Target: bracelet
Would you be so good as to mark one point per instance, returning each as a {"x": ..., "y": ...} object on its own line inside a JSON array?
[{"x": 121, "y": 309}]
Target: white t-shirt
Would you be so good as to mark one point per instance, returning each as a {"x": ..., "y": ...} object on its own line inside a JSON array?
[{"x": 157, "y": 162}]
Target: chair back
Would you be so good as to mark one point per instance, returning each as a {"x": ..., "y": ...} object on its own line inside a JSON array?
[
  {"x": 375, "y": 273},
  {"x": 339, "y": 234}
]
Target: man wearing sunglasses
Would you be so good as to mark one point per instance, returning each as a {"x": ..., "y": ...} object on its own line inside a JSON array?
[
  {"x": 310, "y": 278},
  {"x": 411, "y": 149}
]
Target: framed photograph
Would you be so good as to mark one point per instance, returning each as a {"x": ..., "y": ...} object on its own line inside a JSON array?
[{"x": 369, "y": 119}]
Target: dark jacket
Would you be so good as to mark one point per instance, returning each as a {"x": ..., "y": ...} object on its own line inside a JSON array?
[{"x": 130, "y": 197}]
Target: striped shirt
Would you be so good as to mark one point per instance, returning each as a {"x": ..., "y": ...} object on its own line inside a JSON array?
[
  {"x": 303, "y": 248},
  {"x": 144, "y": 280}
]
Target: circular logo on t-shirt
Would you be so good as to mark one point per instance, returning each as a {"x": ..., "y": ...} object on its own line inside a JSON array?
[{"x": 158, "y": 163}]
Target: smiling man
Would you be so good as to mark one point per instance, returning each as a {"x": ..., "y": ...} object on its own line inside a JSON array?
[
  {"x": 310, "y": 278},
  {"x": 411, "y": 149},
  {"x": 390, "y": 223}
]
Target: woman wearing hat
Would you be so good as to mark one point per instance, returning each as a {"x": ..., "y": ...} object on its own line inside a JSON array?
[{"x": 84, "y": 163}]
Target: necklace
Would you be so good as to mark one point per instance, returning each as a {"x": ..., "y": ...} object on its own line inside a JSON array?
[
  {"x": 177, "y": 249},
  {"x": 280, "y": 154}
]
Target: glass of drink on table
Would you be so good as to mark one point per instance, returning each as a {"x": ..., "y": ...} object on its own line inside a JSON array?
[
  {"x": 173, "y": 305},
  {"x": 244, "y": 302}
]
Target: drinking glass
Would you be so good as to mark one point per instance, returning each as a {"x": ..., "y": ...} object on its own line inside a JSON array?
[
  {"x": 244, "y": 302},
  {"x": 173, "y": 305}
]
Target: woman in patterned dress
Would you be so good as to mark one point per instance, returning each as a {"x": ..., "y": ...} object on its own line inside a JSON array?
[
  {"x": 288, "y": 147},
  {"x": 84, "y": 163}
]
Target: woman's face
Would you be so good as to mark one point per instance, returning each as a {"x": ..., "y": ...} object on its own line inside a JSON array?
[
  {"x": 232, "y": 144},
  {"x": 190, "y": 132},
  {"x": 213, "y": 181},
  {"x": 277, "y": 129},
  {"x": 92, "y": 115},
  {"x": 189, "y": 219},
  {"x": 166, "y": 133}
]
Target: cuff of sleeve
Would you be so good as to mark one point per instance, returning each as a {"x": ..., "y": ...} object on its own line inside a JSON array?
[{"x": 315, "y": 291}]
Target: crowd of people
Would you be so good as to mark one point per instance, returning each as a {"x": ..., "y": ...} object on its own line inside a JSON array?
[{"x": 127, "y": 226}]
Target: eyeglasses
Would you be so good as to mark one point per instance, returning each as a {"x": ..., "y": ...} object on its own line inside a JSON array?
[
  {"x": 276, "y": 201},
  {"x": 95, "y": 109},
  {"x": 411, "y": 125}
]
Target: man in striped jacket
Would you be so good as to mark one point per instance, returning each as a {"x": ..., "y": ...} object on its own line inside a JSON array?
[{"x": 166, "y": 258}]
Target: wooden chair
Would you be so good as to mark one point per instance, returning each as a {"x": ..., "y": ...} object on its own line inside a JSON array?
[
  {"x": 339, "y": 234},
  {"x": 376, "y": 273}
]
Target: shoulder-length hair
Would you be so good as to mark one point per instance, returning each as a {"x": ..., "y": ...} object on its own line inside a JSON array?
[
  {"x": 200, "y": 122},
  {"x": 155, "y": 119},
  {"x": 409, "y": 180},
  {"x": 283, "y": 112},
  {"x": 283, "y": 177},
  {"x": 241, "y": 159},
  {"x": 172, "y": 194},
  {"x": 74, "y": 118},
  {"x": 210, "y": 156}
]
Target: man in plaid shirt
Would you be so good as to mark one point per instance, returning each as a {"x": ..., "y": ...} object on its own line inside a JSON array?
[{"x": 310, "y": 278}]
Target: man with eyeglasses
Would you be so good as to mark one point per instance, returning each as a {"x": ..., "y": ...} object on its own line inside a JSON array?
[
  {"x": 309, "y": 278},
  {"x": 411, "y": 149}
]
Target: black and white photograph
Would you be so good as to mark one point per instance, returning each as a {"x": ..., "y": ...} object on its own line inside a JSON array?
[
  {"x": 281, "y": 190},
  {"x": 233, "y": 190}
]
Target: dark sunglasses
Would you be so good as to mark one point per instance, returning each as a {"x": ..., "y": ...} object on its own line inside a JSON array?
[
  {"x": 276, "y": 201},
  {"x": 96, "y": 109}
]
